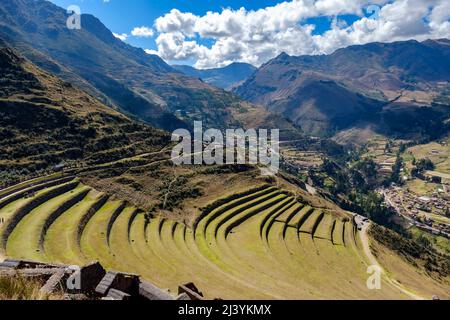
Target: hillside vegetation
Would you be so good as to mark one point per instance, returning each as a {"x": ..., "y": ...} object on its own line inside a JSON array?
[
  {"x": 45, "y": 122},
  {"x": 262, "y": 243},
  {"x": 398, "y": 89},
  {"x": 18, "y": 288},
  {"x": 116, "y": 73}
]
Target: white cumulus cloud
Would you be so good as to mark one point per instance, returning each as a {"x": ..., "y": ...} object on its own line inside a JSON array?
[
  {"x": 144, "y": 32},
  {"x": 121, "y": 36},
  {"x": 255, "y": 36}
]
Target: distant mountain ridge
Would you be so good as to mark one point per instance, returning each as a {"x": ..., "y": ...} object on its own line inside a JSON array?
[
  {"x": 119, "y": 75},
  {"x": 354, "y": 86},
  {"x": 226, "y": 78}
]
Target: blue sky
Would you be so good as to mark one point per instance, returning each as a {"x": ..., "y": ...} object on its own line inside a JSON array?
[
  {"x": 214, "y": 33},
  {"x": 121, "y": 16}
]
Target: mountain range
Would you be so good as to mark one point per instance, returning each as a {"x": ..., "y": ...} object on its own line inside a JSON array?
[
  {"x": 398, "y": 89},
  {"x": 376, "y": 85},
  {"x": 119, "y": 75},
  {"x": 226, "y": 78},
  {"x": 87, "y": 170}
]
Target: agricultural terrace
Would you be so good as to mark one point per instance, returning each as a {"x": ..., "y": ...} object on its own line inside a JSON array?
[{"x": 258, "y": 244}]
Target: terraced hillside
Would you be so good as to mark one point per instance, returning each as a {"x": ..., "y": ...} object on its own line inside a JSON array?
[
  {"x": 45, "y": 122},
  {"x": 262, "y": 243}
]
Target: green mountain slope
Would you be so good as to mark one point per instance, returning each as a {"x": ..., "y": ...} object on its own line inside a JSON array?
[
  {"x": 357, "y": 86},
  {"x": 118, "y": 74},
  {"x": 45, "y": 121}
]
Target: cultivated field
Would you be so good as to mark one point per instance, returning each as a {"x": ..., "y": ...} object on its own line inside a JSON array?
[
  {"x": 261, "y": 243},
  {"x": 437, "y": 152},
  {"x": 302, "y": 159},
  {"x": 434, "y": 183}
]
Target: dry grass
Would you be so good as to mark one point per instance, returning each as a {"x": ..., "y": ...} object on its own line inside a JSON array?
[
  {"x": 20, "y": 288},
  {"x": 413, "y": 277},
  {"x": 422, "y": 188}
]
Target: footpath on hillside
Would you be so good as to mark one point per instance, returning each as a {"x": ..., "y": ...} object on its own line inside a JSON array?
[{"x": 373, "y": 261}]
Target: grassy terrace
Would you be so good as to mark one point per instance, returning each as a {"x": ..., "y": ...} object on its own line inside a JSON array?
[
  {"x": 27, "y": 184},
  {"x": 262, "y": 244},
  {"x": 24, "y": 240},
  {"x": 61, "y": 238}
]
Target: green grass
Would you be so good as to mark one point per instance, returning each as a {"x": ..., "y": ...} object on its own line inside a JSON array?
[
  {"x": 260, "y": 245},
  {"x": 157, "y": 246},
  {"x": 439, "y": 218},
  {"x": 308, "y": 225},
  {"x": 338, "y": 233},
  {"x": 94, "y": 244},
  {"x": 8, "y": 211},
  {"x": 324, "y": 229},
  {"x": 26, "y": 184},
  {"x": 120, "y": 246},
  {"x": 188, "y": 266},
  {"x": 162, "y": 272},
  {"x": 207, "y": 228},
  {"x": 442, "y": 244},
  {"x": 269, "y": 218},
  {"x": 422, "y": 188},
  {"x": 23, "y": 243},
  {"x": 271, "y": 270},
  {"x": 61, "y": 240}
]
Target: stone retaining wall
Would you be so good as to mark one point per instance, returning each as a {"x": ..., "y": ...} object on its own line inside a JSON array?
[
  {"x": 113, "y": 219},
  {"x": 216, "y": 204},
  {"x": 90, "y": 213},
  {"x": 12, "y": 196},
  {"x": 246, "y": 216},
  {"x": 58, "y": 212},
  {"x": 92, "y": 282},
  {"x": 130, "y": 222}
]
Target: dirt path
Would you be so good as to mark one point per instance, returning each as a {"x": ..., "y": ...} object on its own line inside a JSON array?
[
  {"x": 373, "y": 261},
  {"x": 439, "y": 174}
]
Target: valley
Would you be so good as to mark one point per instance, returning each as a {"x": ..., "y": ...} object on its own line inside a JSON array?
[
  {"x": 359, "y": 91},
  {"x": 228, "y": 77},
  {"x": 269, "y": 238},
  {"x": 89, "y": 175}
]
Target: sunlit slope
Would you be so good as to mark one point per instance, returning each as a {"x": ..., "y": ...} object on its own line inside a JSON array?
[{"x": 262, "y": 243}]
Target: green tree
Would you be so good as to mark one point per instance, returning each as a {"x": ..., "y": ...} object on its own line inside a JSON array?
[
  {"x": 423, "y": 165},
  {"x": 396, "y": 169}
]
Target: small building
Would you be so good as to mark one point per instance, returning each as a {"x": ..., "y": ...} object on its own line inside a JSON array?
[{"x": 425, "y": 199}]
